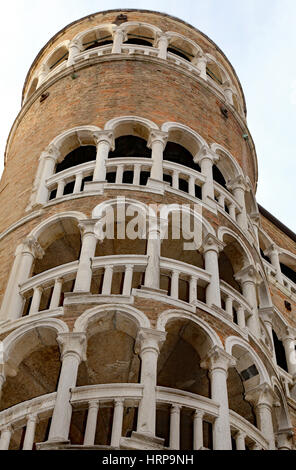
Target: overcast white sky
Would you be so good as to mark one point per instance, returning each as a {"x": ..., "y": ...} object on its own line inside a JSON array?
[{"x": 258, "y": 37}]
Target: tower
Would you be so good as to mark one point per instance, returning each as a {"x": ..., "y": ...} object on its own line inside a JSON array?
[{"x": 146, "y": 300}]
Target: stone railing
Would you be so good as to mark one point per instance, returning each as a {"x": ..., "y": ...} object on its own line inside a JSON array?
[
  {"x": 56, "y": 184},
  {"x": 235, "y": 305},
  {"x": 269, "y": 269},
  {"x": 25, "y": 415},
  {"x": 226, "y": 201},
  {"x": 290, "y": 285},
  {"x": 97, "y": 51},
  {"x": 137, "y": 49},
  {"x": 245, "y": 434}
]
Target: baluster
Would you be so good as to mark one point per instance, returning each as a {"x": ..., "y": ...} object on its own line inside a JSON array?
[
  {"x": 198, "y": 430},
  {"x": 241, "y": 318},
  {"x": 232, "y": 211},
  {"x": 176, "y": 179},
  {"x": 61, "y": 187},
  {"x": 30, "y": 432},
  {"x": 128, "y": 279},
  {"x": 119, "y": 174},
  {"x": 36, "y": 300},
  {"x": 175, "y": 284},
  {"x": 117, "y": 423},
  {"x": 5, "y": 438},
  {"x": 192, "y": 186},
  {"x": 91, "y": 424},
  {"x": 240, "y": 439},
  {"x": 229, "y": 305},
  {"x": 221, "y": 200},
  {"x": 56, "y": 294},
  {"x": 107, "y": 283},
  {"x": 137, "y": 173},
  {"x": 193, "y": 289},
  {"x": 78, "y": 183},
  {"x": 175, "y": 427}
]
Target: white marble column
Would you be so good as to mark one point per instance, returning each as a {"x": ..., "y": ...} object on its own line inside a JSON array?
[
  {"x": 6, "y": 434},
  {"x": 201, "y": 63},
  {"x": 73, "y": 351},
  {"x": 238, "y": 186},
  {"x": 263, "y": 399},
  {"x": 91, "y": 424},
  {"x": 289, "y": 345},
  {"x": 266, "y": 314},
  {"x": 228, "y": 92},
  {"x": 249, "y": 278},
  {"x": 88, "y": 249},
  {"x": 147, "y": 345},
  {"x": 206, "y": 159},
  {"x": 198, "y": 440},
  {"x": 217, "y": 361},
  {"x": 47, "y": 163},
  {"x": 157, "y": 142},
  {"x": 117, "y": 422},
  {"x": 118, "y": 39},
  {"x": 32, "y": 421},
  {"x": 240, "y": 439},
  {"x": 42, "y": 74},
  {"x": 56, "y": 294},
  {"x": 105, "y": 142},
  {"x": 75, "y": 48},
  {"x": 273, "y": 253},
  {"x": 162, "y": 44},
  {"x": 211, "y": 248},
  {"x": 152, "y": 273},
  {"x": 175, "y": 416}
]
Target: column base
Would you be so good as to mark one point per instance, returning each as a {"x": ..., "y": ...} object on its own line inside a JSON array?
[
  {"x": 95, "y": 186},
  {"x": 140, "y": 441},
  {"x": 157, "y": 185},
  {"x": 52, "y": 445}
]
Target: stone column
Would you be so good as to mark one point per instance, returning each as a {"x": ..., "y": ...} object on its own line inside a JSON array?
[
  {"x": 74, "y": 50},
  {"x": 228, "y": 92},
  {"x": 206, "y": 159},
  {"x": 217, "y": 361},
  {"x": 162, "y": 44},
  {"x": 30, "y": 432},
  {"x": 117, "y": 422},
  {"x": 118, "y": 39},
  {"x": 47, "y": 163},
  {"x": 6, "y": 434},
  {"x": 105, "y": 142},
  {"x": 157, "y": 142},
  {"x": 152, "y": 273},
  {"x": 273, "y": 253},
  {"x": 42, "y": 74},
  {"x": 238, "y": 186},
  {"x": 88, "y": 249},
  {"x": 91, "y": 425},
  {"x": 284, "y": 439},
  {"x": 56, "y": 294},
  {"x": 249, "y": 278},
  {"x": 198, "y": 441},
  {"x": 266, "y": 314},
  {"x": 73, "y": 351},
  {"x": 200, "y": 61},
  {"x": 289, "y": 345},
  {"x": 175, "y": 415},
  {"x": 240, "y": 439},
  {"x": 263, "y": 398},
  {"x": 210, "y": 248},
  {"x": 148, "y": 346}
]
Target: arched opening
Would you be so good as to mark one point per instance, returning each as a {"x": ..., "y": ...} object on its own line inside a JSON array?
[
  {"x": 179, "y": 368},
  {"x": 96, "y": 38},
  {"x": 36, "y": 362},
  {"x": 130, "y": 146},
  {"x": 280, "y": 353},
  {"x": 176, "y": 153},
  {"x": 140, "y": 36},
  {"x": 231, "y": 260},
  {"x": 218, "y": 177},
  {"x": 213, "y": 71},
  {"x": 110, "y": 360},
  {"x": 289, "y": 272},
  {"x": 58, "y": 57},
  {"x": 33, "y": 87},
  {"x": 78, "y": 156},
  {"x": 179, "y": 52},
  {"x": 182, "y": 48}
]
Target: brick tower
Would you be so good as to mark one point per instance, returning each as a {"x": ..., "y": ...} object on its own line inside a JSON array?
[{"x": 121, "y": 326}]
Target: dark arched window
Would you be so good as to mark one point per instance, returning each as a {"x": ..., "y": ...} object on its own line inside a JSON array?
[
  {"x": 77, "y": 157},
  {"x": 130, "y": 146},
  {"x": 218, "y": 177},
  {"x": 176, "y": 51},
  {"x": 97, "y": 43},
  {"x": 178, "y": 154},
  {"x": 290, "y": 273},
  {"x": 139, "y": 41},
  {"x": 279, "y": 352}
]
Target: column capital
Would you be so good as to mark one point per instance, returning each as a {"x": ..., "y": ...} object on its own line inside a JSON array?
[
  {"x": 199, "y": 414},
  {"x": 289, "y": 334},
  {"x": 217, "y": 358},
  {"x": 105, "y": 136},
  {"x": 273, "y": 249},
  {"x": 157, "y": 136},
  {"x": 263, "y": 395},
  {"x": 73, "y": 344},
  {"x": 33, "y": 418},
  {"x": 212, "y": 243},
  {"x": 120, "y": 31},
  {"x": 205, "y": 153},
  {"x": 267, "y": 314},
  {"x": 32, "y": 246},
  {"x": 87, "y": 226},
  {"x": 150, "y": 339},
  {"x": 52, "y": 151},
  {"x": 248, "y": 274},
  {"x": 75, "y": 43},
  {"x": 161, "y": 37},
  {"x": 239, "y": 182}
]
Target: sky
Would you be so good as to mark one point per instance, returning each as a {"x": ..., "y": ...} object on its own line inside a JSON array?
[{"x": 257, "y": 36}]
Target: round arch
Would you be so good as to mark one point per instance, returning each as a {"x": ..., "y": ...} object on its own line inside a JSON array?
[
  {"x": 131, "y": 125},
  {"x": 226, "y": 163},
  {"x": 37, "y": 231},
  {"x": 222, "y": 231},
  {"x": 190, "y": 48},
  {"x": 185, "y": 136},
  {"x": 108, "y": 27}
]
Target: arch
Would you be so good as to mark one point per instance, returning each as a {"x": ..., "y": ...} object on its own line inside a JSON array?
[
  {"x": 100, "y": 208},
  {"x": 233, "y": 341},
  {"x": 97, "y": 31},
  {"x": 130, "y": 25},
  {"x": 51, "y": 61},
  {"x": 169, "y": 315},
  {"x": 221, "y": 70},
  {"x": 37, "y": 231},
  {"x": 131, "y": 125},
  {"x": 222, "y": 231},
  {"x": 226, "y": 163},
  {"x": 170, "y": 208},
  {"x": 16, "y": 336},
  {"x": 92, "y": 314},
  {"x": 184, "y": 45},
  {"x": 185, "y": 136},
  {"x": 33, "y": 87},
  {"x": 140, "y": 33}
]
